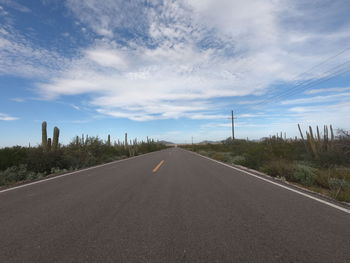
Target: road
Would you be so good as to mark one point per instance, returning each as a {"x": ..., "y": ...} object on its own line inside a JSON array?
[{"x": 184, "y": 209}]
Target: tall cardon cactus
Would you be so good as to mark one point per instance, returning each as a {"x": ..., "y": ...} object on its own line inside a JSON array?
[
  {"x": 55, "y": 141},
  {"x": 47, "y": 143},
  {"x": 44, "y": 135}
]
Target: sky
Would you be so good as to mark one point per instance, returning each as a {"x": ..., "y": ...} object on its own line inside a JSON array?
[{"x": 172, "y": 70}]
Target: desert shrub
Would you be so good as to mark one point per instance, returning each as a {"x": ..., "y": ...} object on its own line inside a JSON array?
[
  {"x": 305, "y": 175},
  {"x": 322, "y": 178},
  {"x": 287, "y": 150},
  {"x": 218, "y": 156},
  {"x": 42, "y": 162},
  {"x": 280, "y": 168},
  {"x": 34, "y": 176},
  {"x": 57, "y": 170},
  {"x": 340, "y": 188},
  {"x": 12, "y": 156},
  {"x": 253, "y": 160},
  {"x": 238, "y": 159},
  {"x": 201, "y": 152},
  {"x": 13, "y": 174},
  {"x": 341, "y": 173},
  {"x": 331, "y": 158},
  {"x": 344, "y": 195}
]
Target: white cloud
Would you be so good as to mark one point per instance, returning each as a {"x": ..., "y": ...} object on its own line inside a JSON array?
[
  {"x": 15, "y": 5},
  {"x": 202, "y": 116},
  {"x": 106, "y": 58},
  {"x": 20, "y": 57},
  {"x": 75, "y": 107},
  {"x": 171, "y": 59},
  {"x": 6, "y": 117},
  {"x": 18, "y": 99},
  {"x": 318, "y": 99},
  {"x": 336, "y": 114},
  {"x": 104, "y": 17},
  {"x": 327, "y": 90}
]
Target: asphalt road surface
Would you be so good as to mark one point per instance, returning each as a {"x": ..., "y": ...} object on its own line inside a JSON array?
[{"x": 184, "y": 209}]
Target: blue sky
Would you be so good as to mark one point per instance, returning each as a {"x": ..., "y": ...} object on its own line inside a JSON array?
[{"x": 172, "y": 69}]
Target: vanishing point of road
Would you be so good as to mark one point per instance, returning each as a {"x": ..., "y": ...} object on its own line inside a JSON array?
[{"x": 168, "y": 206}]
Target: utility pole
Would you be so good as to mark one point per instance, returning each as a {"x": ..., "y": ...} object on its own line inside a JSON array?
[
  {"x": 192, "y": 140},
  {"x": 233, "y": 126}
]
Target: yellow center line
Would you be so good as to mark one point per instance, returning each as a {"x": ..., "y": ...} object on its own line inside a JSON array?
[{"x": 158, "y": 166}]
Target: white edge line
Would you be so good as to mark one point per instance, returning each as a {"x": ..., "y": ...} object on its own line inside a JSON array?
[
  {"x": 280, "y": 185},
  {"x": 75, "y": 172}
]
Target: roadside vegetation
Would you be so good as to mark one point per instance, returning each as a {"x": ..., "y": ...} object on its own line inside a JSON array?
[
  {"x": 319, "y": 162},
  {"x": 31, "y": 163}
]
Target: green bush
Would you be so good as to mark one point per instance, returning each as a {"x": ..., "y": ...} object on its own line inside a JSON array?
[
  {"x": 280, "y": 168},
  {"x": 340, "y": 189},
  {"x": 13, "y": 174},
  {"x": 305, "y": 175},
  {"x": 331, "y": 158},
  {"x": 21, "y": 163},
  {"x": 12, "y": 156},
  {"x": 238, "y": 159},
  {"x": 322, "y": 178},
  {"x": 218, "y": 156}
]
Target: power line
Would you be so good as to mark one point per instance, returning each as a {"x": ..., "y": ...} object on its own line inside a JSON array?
[
  {"x": 307, "y": 84},
  {"x": 324, "y": 61},
  {"x": 339, "y": 69},
  {"x": 297, "y": 77},
  {"x": 312, "y": 84}
]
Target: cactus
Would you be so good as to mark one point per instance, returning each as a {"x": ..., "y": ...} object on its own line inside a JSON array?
[
  {"x": 47, "y": 143},
  {"x": 325, "y": 138},
  {"x": 332, "y": 134},
  {"x": 126, "y": 140},
  {"x": 48, "y": 146},
  {"x": 129, "y": 150},
  {"x": 318, "y": 134},
  {"x": 56, "y": 135},
  {"x": 325, "y": 133},
  {"x": 301, "y": 134},
  {"x": 315, "y": 147},
  {"x": 136, "y": 147},
  {"x": 109, "y": 140},
  {"x": 311, "y": 132},
  {"x": 44, "y": 135},
  {"x": 312, "y": 143},
  {"x": 318, "y": 141}
]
